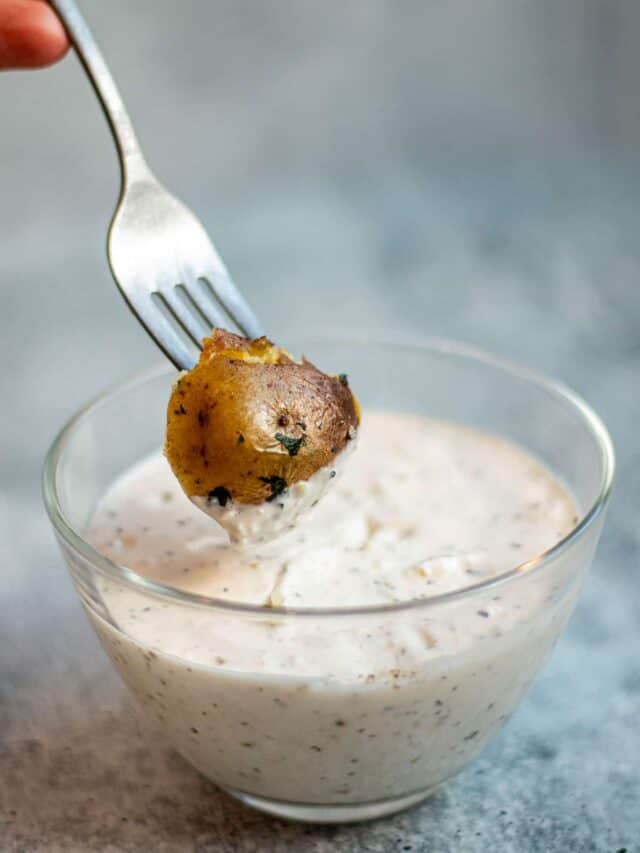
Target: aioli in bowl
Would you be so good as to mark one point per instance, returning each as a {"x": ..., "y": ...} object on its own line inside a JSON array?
[{"x": 423, "y": 508}]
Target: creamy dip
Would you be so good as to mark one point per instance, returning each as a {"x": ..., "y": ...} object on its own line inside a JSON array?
[{"x": 343, "y": 709}]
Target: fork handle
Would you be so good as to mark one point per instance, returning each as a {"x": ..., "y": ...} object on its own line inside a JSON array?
[{"x": 131, "y": 158}]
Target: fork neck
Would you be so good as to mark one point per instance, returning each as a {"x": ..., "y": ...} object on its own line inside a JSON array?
[
  {"x": 134, "y": 168},
  {"x": 132, "y": 161}
]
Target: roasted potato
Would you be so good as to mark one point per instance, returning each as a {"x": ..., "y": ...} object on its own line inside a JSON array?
[{"x": 249, "y": 421}]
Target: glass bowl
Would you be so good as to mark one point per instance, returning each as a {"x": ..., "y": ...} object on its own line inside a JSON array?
[{"x": 326, "y": 735}]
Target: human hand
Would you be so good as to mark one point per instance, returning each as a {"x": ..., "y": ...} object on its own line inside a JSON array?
[{"x": 31, "y": 35}]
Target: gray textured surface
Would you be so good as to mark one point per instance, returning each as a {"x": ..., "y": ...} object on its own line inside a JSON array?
[{"x": 453, "y": 168}]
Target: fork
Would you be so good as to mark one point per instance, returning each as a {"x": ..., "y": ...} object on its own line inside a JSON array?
[{"x": 161, "y": 257}]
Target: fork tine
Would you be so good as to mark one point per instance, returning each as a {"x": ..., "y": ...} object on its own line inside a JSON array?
[
  {"x": 219, "y": 284},
  {"x": 189, "y": 299},
  {"x": 206, "y": 304},
  {"x": 164, "y": 333},
  {"x": 186, "y": 315}
]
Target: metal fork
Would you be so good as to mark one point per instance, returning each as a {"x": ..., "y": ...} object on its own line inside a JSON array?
[{"x": 162, "y": 259}]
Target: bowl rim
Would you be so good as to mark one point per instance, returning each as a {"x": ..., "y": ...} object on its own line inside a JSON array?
[{"x": 442, "y": 346}]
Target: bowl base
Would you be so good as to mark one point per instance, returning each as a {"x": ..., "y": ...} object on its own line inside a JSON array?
[{"x": 334, "y": 813}]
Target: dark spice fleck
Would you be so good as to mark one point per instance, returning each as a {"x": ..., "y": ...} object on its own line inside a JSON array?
[
  {"x": 278, "y": 485},
  {"x": 180, "y": 410},
  {"x": 219, "y": 494},
  {"x": 290, "y": 444},
  {"x": 202, "y": 418},
  {"x": 241, "y": 439},
  {"x": 344, "y": 380}
]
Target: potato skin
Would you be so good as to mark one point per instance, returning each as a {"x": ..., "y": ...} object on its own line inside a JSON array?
[{"x": 248, "y": 421}]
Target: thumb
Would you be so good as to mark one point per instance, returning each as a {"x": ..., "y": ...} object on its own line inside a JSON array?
[{"x": 31, "y": 35}]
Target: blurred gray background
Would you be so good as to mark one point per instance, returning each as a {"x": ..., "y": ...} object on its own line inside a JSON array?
[{"x": 464, "y": 168}]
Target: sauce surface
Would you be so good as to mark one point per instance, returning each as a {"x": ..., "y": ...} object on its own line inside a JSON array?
[{"x": 421, "y": 507}]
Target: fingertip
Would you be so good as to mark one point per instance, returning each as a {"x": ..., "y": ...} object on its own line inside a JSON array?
[
  {"x": 49, "y": 38},
  {"x": 31, "y": 35}
]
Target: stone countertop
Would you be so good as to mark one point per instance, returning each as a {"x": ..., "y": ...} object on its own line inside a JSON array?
[{"x": 537, "y": 260}]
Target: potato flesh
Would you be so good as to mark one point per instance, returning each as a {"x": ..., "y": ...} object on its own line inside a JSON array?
[{"x": 248, "y": 421}]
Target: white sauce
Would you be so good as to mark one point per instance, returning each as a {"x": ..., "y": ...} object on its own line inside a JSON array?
[{"x": 350, "y": 709}]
